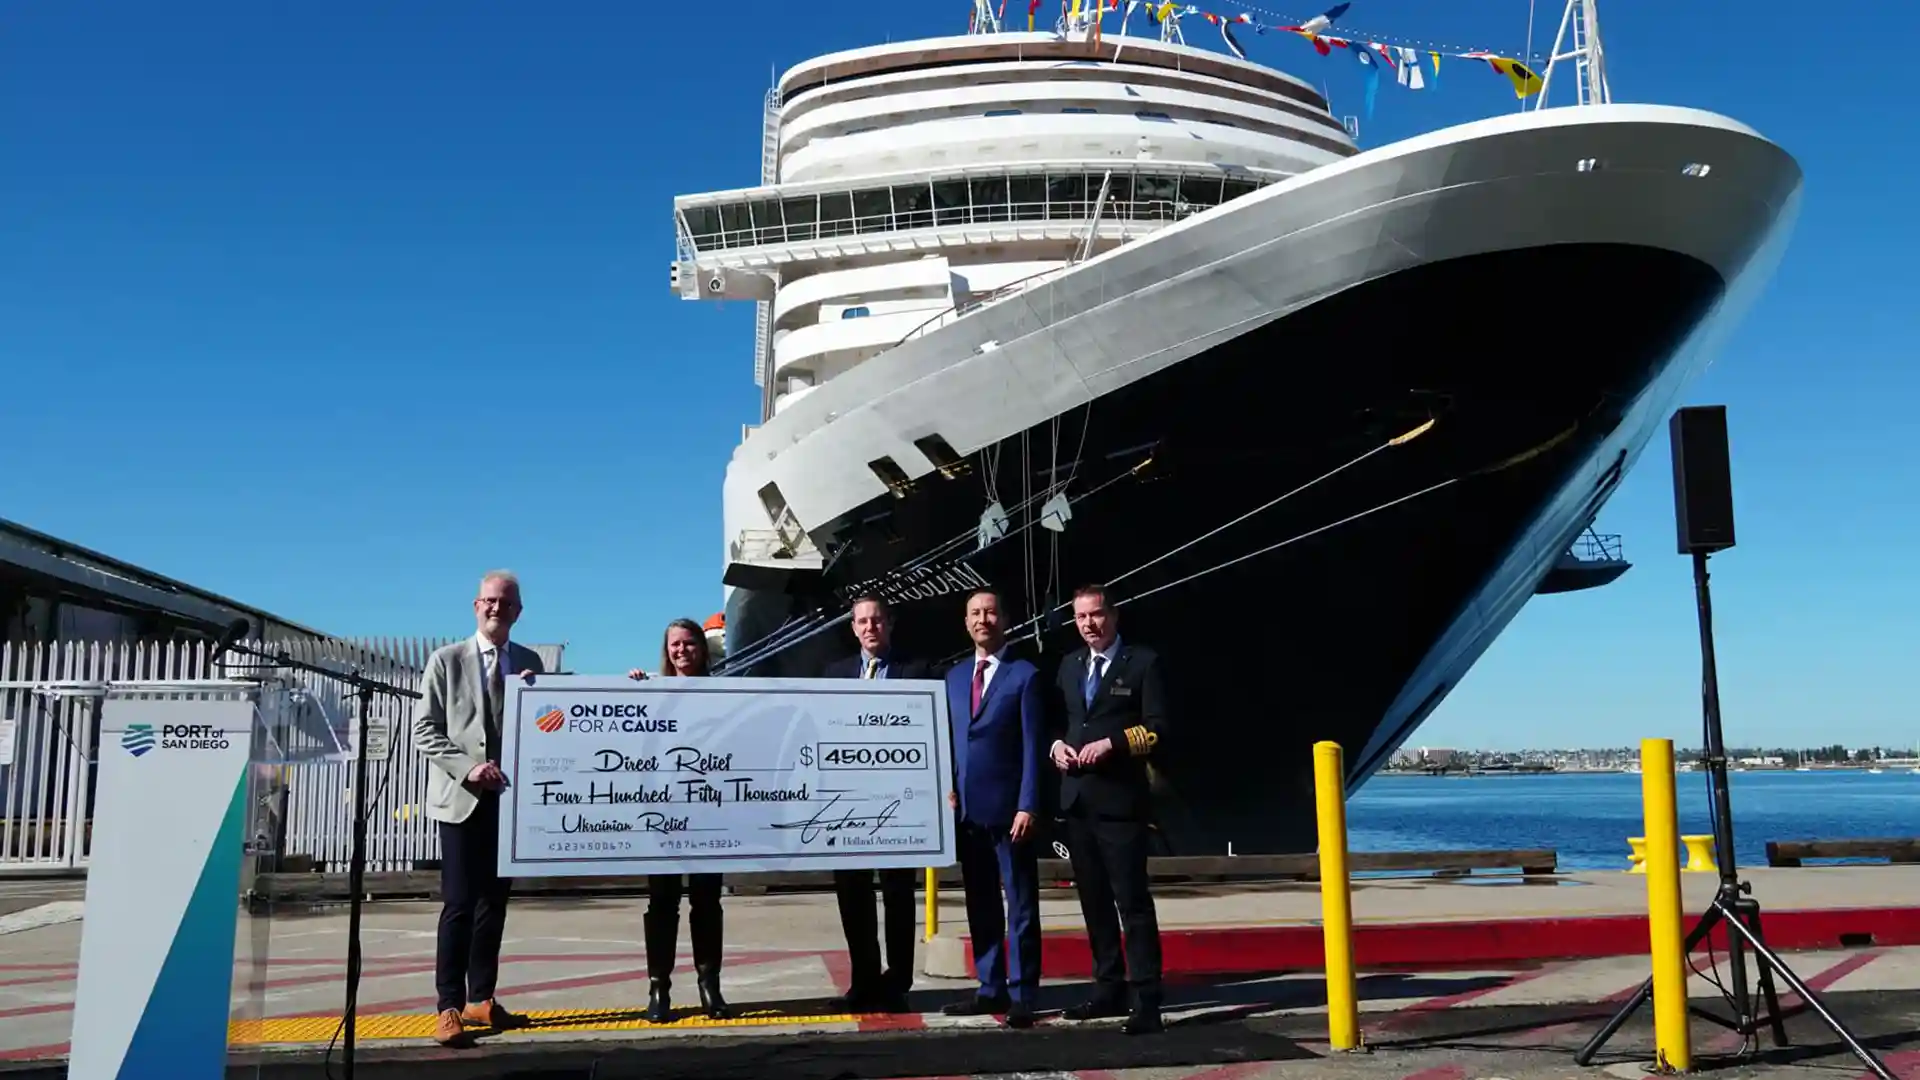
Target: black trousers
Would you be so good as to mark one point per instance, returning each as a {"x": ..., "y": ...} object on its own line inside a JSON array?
[
  {"x": 663, "y": 922},
  {"x": 1110, "y": 873},
  {"x": 473, "y": 907},
  {"x": 854, "y": 889}
]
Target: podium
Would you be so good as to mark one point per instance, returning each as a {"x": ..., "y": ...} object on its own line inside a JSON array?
[{"x": 185, "y": 783}]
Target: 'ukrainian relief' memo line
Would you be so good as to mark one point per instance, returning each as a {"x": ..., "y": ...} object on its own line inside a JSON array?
[{"x": 611, "y": 777}]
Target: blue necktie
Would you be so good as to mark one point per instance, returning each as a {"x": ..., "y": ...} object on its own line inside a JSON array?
[{"x": 1093, "y": 676}]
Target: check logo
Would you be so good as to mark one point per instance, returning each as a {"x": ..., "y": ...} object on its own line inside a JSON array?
[{"x": 550, "y": 720}]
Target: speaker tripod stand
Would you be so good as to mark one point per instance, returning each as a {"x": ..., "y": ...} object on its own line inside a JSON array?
[{"x": 1733, "y": 905}]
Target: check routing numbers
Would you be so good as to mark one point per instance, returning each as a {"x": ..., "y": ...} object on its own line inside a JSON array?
[{"x": 669, "y": 774}]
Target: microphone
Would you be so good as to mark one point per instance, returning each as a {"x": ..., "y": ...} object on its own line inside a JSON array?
[{"x": 235, "y": 630}]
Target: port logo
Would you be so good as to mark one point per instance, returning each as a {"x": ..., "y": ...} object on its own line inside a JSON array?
[
  {"x": 138, "y": 739},
  {"x": 550, "y": 718}
]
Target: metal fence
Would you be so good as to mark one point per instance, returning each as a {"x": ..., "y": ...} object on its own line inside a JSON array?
[{"x": 49, "y": 740}]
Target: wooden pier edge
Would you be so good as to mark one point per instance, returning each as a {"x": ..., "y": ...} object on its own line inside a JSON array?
[
  {"x": 1789, "y": 853},
  {"x": 424, "y": 883}
]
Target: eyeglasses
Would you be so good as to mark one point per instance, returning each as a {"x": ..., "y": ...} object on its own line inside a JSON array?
[{"x": 493, "y": 601}]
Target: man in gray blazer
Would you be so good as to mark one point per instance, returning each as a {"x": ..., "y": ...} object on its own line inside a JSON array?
[{"x": 456, "y": 726}]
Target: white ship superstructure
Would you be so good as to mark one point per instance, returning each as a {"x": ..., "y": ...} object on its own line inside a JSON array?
[
  {"x": 1038, "y": 309},
  {"x": 908, "y": 182}
]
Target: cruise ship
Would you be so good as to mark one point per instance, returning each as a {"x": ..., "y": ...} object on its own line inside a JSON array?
[{"x": 1038, "y": 309}]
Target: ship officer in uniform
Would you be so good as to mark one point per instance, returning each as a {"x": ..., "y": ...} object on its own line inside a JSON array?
[{"x": 1115, "y": 708}]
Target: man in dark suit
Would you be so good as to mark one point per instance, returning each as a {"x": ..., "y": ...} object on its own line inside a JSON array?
[
  {"x": 1115, "y": 706},
  {"x": 996, "y": 706},
  {"x": 873, "y": 990},
  {"x": 456, "y": 727}
]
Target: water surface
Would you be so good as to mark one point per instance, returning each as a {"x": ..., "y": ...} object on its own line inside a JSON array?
[{"x": 1588, "y": 817}]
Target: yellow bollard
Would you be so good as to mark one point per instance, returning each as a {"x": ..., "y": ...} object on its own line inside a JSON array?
[
  {"x": 1336, "y": 897},
  {"x": 1672, "y": 1040},
  {"x": 933, "y": 902},
  {"x": 1637, "y": 854},
  {"x": 1700, "y": 854}
]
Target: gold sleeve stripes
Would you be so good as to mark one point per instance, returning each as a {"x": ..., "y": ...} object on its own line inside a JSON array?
[{"x": 1140, "y": 741}]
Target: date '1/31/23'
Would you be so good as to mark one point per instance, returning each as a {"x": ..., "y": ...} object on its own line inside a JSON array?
[{"x": 882, "y": 720}]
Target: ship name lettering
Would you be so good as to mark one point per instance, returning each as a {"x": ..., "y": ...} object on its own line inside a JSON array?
[{"x": 926, "y": 583}]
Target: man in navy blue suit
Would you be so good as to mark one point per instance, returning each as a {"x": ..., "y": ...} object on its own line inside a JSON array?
[
  {"x": 873, "y": 988},
  {"x": 995, "y": 703}
]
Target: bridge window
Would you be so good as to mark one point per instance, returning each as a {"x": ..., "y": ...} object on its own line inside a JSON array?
[
  {"x": 873, "y": 210},
  {"x": 950, "y": 201},
  {"x": 1078, "y": 109},
  {"x": 1067, "y": 195},
  {"x": 1154, "y": 116},
  {"x": 1028, "y": 195},
  {"x": 1154, "y": 196},
  {"x": 836, "y": 214},
  {"x": 1132, "y": 195},
  {"x": 856, "y": 312},
  {"x": 1200, "y": 190},
  {"x": 912, "y": 206},
  {"x": 801, "y": 213},
  {"x": 990, "y": 198},
  {"x": 1003, "y": 112}
]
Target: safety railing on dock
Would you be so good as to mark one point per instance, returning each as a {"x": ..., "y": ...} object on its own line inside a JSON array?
[{"x": 49, "y": 746}]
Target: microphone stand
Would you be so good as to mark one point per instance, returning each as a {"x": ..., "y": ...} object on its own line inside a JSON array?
[{"x": 364, "y": 689}]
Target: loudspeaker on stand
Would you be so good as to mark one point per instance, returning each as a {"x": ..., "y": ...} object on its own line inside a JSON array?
[{"x": 1702, "y": 479}]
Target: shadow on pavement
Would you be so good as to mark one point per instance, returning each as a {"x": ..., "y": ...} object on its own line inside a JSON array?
[{"x": 840, "y": 1056}]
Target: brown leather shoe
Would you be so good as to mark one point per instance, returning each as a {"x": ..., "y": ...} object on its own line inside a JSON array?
[
  {"x": 447, "y": 1028},
  {"x": 489, "y": 1014}
]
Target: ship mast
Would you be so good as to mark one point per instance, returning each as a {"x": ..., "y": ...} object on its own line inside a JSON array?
[
  {"x": 1170, "y": 25},
  {"x": 1580, "y": 34},
  {"x": 984, "y": 20}
]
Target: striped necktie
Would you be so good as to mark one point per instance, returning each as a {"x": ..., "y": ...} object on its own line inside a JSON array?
[{"x": 872, "y": 670}]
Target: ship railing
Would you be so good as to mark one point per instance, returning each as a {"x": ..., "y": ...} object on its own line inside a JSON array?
[
  {"x": 979, "y": 300},
  {"x": 1137, "y": 195},
  {"x": 1597, "y": 547},
  {"x": 1133, "y": 210}
]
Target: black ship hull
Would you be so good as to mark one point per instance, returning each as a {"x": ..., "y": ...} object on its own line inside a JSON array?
[{"x": 1375, "y": 589}]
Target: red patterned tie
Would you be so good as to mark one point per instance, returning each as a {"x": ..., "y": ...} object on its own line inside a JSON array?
[{"x": 979, "y": 683}]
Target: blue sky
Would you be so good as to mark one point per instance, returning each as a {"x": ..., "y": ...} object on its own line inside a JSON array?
[{"x": 331, "y": 309}]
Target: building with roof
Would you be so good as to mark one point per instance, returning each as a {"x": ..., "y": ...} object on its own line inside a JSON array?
[{"x": 55, "y": 590}]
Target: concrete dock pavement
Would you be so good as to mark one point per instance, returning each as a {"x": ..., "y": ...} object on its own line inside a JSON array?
[
  {"x": 1229, "y": 929},
  {"x": 1466, "y": 1043},
  {"x": 577, "y": 967}
]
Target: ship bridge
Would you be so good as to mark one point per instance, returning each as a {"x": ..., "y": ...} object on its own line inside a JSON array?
[{"x": 904, "y": 185}]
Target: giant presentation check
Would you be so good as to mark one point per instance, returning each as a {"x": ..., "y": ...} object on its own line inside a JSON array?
[{"x": 609, "y": 776}]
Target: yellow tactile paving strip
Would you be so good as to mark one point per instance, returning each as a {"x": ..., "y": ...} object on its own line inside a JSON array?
[{"x": 320, "y": 1029}]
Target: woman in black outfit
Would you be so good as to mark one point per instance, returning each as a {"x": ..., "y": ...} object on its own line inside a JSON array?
[{"x": 683, "y": 652}]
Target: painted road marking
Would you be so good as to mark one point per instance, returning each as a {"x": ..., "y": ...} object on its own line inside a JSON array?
[
  {"x": 1725, "y": 1042},
  {"x": 49, "y": 914},
  {"x": 320, "y": 1029}
]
